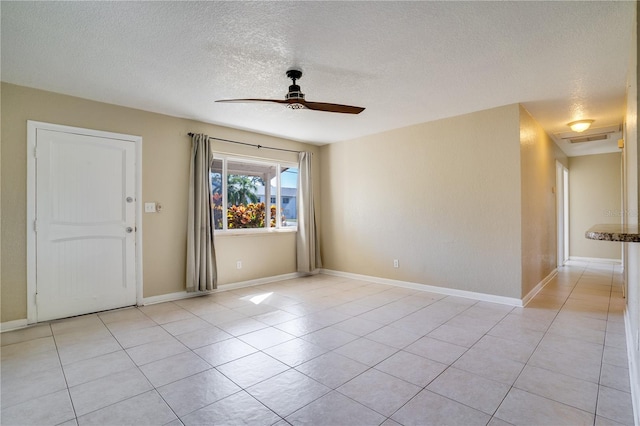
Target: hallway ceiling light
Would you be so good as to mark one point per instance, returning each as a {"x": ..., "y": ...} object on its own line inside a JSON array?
[{"x": 580, "y": 125}]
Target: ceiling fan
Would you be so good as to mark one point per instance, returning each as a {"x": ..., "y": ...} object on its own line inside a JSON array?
[{"x": 294, "y": 99}]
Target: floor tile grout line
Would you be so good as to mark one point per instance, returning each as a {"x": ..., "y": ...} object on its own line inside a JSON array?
[
  {"x": 138, "y": 367},
  {"x": 64, "y": 375},
  {"x": 424, "y": 388},
  {"x": 559, "y": 310},
  {"x": 155, "y": 389},
  {"x": 357, "y": 338},
  {"x": 200, "y": 408},
  {"x": 331, "y": 350},
  {"x": 604, "y": 345},
  {"x": 612, "y": 273},
  {"x": 135, "y": 366},
  {"x": 452, "y": 366},
  {"x": 512, "y": 386},
  {"x": 467, "y": 308}
]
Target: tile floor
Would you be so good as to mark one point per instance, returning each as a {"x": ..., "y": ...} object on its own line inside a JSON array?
[{"x": 325, "y": 350}]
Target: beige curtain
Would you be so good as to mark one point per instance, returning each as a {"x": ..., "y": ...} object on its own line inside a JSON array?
[
  {"x": 201, "y": 255},
  {"x": 307, "y": 245}
]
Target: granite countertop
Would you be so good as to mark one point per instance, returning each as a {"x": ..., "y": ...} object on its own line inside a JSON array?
[{"x": 609, "y": 232}]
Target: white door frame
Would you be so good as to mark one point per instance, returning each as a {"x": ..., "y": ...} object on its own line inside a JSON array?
[
  {"x": 562, "y": 207},
  {"x": 567, "y": 223},
  {"x": 32, "y": 127}
]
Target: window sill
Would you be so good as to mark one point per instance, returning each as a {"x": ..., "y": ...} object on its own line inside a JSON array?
[{"x": 253, "y": 232}]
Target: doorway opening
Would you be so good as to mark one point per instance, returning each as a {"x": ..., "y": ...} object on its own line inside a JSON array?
[{"x": 562, "y": 212}]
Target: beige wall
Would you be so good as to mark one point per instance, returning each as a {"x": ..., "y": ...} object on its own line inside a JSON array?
[
  {"x": 441, "y": 197},
  {"x": 538, "y": 154},
  {"x": 445, "y": 198},
  {"x": 595, "y": 190},
  {"x": 165, "y": 169}
]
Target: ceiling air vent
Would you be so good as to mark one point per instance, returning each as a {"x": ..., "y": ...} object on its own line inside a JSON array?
[{"x": 590, "y": 138}]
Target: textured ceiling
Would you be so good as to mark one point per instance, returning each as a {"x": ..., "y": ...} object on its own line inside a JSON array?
[{"x": 406, "y": 62}]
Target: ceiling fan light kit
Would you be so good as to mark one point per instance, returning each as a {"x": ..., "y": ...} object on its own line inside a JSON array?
[{"x": 294, "y": 99}]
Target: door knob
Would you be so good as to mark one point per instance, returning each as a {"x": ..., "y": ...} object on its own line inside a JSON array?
[{"x": 129, "y": 229}]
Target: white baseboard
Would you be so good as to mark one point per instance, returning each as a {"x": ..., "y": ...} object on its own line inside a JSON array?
[
  {"x": 21, "y": 323},
  {"x": 511, "y": 301},
  {"x": 13, "y": 325},
  {"x": 633, "y": 368},
  {"x": 225, "y": 287},
  {"x": 596, "y": 260},
  {"x": 527, "y": 298}
]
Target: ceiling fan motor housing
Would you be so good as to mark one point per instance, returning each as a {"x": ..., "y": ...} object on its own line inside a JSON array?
[{"x": 294, "y": 92}]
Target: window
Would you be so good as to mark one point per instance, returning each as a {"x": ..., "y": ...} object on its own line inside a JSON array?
[{"x": 240, "y": 188}]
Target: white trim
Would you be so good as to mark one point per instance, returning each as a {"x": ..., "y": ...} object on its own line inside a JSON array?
[
  {"x": 139, "y": 208},
  {"x": 169, "y": 297},
  {"x": 559, "y": 192},
  {"x": 562, "y": 210},
  {"x": 32, "y": 314},
  {"x": 32, "y": 127},
  {"x": 13, "y": 325},
  {"x": 596, "y": 260},
  {"x": 534, "y": 291},
  {"x": 511, "y": 301},
  {"x": 633, "y": 368},
  {"x": 252, "y": 232},
  {"x": 226, "y": 158}
]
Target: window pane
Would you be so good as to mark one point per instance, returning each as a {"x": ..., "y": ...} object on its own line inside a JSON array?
[
  {"x": 250, "y": 197},
  {"x": 216, "y": 193},
  {"x": 289, "y": 194},
  {"x": 245, "y": 194}
]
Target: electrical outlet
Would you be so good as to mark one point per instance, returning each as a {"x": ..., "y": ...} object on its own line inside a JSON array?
[
  {"x": 239, "y": 264},
  {"x": 396, "y": 264}
]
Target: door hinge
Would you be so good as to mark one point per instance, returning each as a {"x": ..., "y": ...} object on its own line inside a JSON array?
[
  {"x": 35, "y": 152},
  {"x": 35, "y": 226}
]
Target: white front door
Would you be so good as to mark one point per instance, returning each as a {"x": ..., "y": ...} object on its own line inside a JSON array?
[{"x": 85, "y": 225}]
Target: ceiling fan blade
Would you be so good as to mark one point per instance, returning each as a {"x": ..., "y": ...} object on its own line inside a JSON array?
[
  {"x": 322, "y": 106},
  {"x": 278, "y": 101},
  {"x": 295, "y": 99},
  {"x": 301, "y": 103}
]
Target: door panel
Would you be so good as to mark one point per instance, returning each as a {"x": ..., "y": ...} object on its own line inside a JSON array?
[{"x": 85, "y": 258}]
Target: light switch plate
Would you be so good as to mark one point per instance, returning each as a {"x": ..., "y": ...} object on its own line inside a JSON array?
[{"x": 149, "y": 207}]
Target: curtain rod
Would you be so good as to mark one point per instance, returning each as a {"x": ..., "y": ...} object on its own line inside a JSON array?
[{"x": 249, "y": 144}]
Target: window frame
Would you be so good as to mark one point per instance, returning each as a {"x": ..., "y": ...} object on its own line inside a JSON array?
[{"x": 279, "y": 166}]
